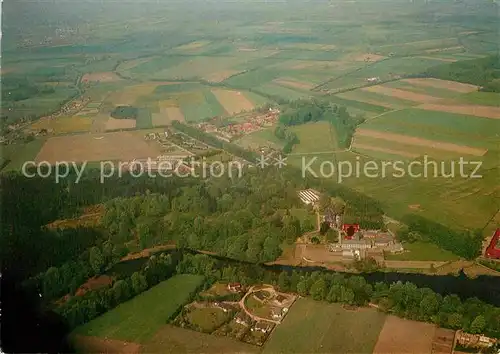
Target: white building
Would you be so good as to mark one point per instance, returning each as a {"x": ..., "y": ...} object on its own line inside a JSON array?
[{"x": 309, "y": 196}]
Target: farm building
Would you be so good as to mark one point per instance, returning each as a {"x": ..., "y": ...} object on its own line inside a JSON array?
[
  {"x": 493, "y": 250},
  {"x": 234, "y": 287},
  {"x": 262, "y": 327},
  {"x": 309, "y": 196},
  {"x": 474, "y": 340}
]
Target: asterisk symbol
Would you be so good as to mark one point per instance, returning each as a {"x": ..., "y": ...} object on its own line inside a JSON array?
[
  {"x": 262, "y": 161},
  {"x": 280, "y": 161}
]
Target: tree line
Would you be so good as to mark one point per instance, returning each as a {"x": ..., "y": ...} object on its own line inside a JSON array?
[
  {"x": 483, "y": 72},
  {"x": 401, "y": 299},
  {"x": 303, "y": 111},
  {"x": 467, "y": 244}
]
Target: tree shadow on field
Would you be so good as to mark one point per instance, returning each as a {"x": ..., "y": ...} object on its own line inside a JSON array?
[{"x": 25, "y": 328}]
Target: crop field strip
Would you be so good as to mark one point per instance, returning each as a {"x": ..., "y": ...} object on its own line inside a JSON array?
[
  {"x": 421, "y": 142},
  {"x": 459, "y": 129}
]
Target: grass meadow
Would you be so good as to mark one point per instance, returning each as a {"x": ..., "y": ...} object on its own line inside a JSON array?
[
  {"x": 138, "y": 319},
  {"x": 319, "y": 327}
]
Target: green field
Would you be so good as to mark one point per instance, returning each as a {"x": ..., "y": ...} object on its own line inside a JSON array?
[
  {"x": 315, "y": 137},
  {"x": 20, "y": 153},
  {"x": 319, "y": 327},
  {"x": 175, "y": 340},
  {"x": 421, "y": 251},
  {"x": 440, "y": 126},
  {"x": 432, "y": 91},
  {"x": 259, "y": 138},
  {"x": 137, "y": 320},
  {"x": 481, "y": 98}
]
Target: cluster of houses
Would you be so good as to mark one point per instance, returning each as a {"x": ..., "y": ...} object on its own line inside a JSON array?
[
  {"x": 474, "y": 340},
  {"x": 252, "y": 124}
]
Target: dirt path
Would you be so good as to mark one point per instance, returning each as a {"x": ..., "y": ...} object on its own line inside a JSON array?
[{"x": 252, "y": 316}]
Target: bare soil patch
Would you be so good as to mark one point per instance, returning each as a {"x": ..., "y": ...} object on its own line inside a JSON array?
[
  {"x": 403, "y": 336},
  {"x": 220, "y": 76},
  {"x": 403, "y": 94},
  {"x": 414, "y": 207},
  {"x": 147, "y": 252},
  {"x": 100, "y": 77},
  {"x": 405, "y": 139},
  {"x": 100, "y": 345},
  {"x": 443, "y": 84},
  {"x": 443, "y": 341},
  {"x": 113, "y": 123},
  {"x": 233, "y": 101},
  {"x": 413, "y": 264},
  {"x": 169, "y": 111},
  {"x": 389, "y": 151},
  {"x": 94, "y": 283},
  {"x": 319, "y": 253},
  {"x": 121, "y": 146},
  {"x": 478, "y": 111},
  {"x": 293, "y": 83}
]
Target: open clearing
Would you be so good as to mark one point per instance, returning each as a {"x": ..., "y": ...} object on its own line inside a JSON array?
[
  {"x": 444, "y": 84},
  {"x": 175, "y": 340},
  {"x": 169, "y": 111},
  {"x": 356, "y": 145},
  {"x": 421, "y": 142},
  {"x": 63, "y": 124},
  {"x": 233, "y": 101},
  {"x": 403, "y": 336},
  {"x": 318, "y": 327},
  {"x": 121, "y": 146},
  {"x": 222, "y": 75},
  {"x": 100, "y": 77},
  {"x": 86, "y": 344},
  {"x": 315, "y": 137},
  {"x": 356, "y": 96},
  {"x": 138, "y": 319},
  {"x": 369, "y": 57},
  {"x": 113, "y": 123},
  {"x": 444, "y": 341},
  {"x": 293, "y": 83},
  {"x": 473, "y": 110},
  {"x": 403, "y": 94}
]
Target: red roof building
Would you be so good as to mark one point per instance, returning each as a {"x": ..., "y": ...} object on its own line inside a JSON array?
[{"x": 493, "y": 250}]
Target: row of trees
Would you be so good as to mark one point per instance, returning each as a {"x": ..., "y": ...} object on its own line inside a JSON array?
[
  {"x": 467, "y": 244},
  {"x": 314, "y": 110},
  {"x": 483, "y": 72},
  {"x": 78, "y": 310},
  {"x": 66, "y": 279},
  {"x": 402, "y": 299},
  {"x": 213, "y": 141},
  {"x": 288, "y": 136}
]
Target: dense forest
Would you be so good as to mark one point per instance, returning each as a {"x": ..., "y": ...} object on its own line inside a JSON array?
[
  {"x": 484, "y": 72},
  {"x": 314, "y": 110}
]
